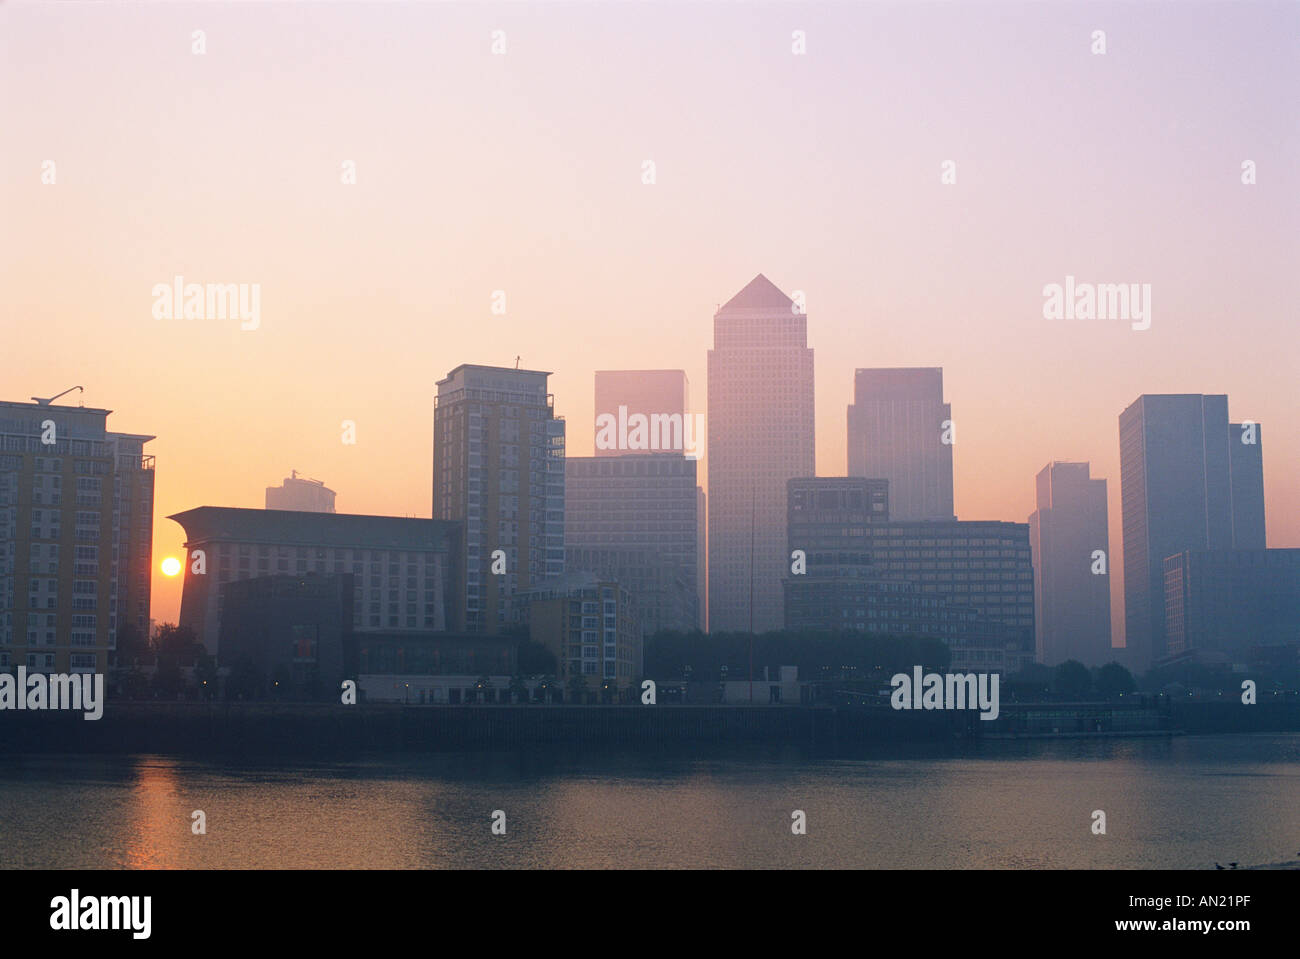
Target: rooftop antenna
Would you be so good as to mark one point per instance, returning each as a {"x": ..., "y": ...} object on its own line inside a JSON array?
[
  {"x": 517, "y": 362},
  {"x": 46, "y": 402}
]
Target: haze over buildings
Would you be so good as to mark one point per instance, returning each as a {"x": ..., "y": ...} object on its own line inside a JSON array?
[
  {"x": 1071, "y": 582},
  {"x": 76, "y": 537},
  {"x": 639, "y": 513},
  {"x": 761, "y": 434},
  {"x": 498, "y": 470},
  {"x": 1230, "y": 606},
  {"x": 900, "y": 430},
  {"x": 1183, "y": 487},
  {"x": 969, "y": 583},
  {"x": 658, "y": 403},
  {"x": 656, "y": 400},
  {"x": 402, "y": 569},
  {"x": 300, "y": 493}
]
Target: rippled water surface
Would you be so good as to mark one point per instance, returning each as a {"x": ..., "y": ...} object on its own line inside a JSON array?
[{"x": 1182, "y": 803}]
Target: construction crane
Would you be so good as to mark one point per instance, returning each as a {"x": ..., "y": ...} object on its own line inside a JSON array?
[
  {"x": 46, "y": 402},
  {"x": 293, "y": 474}
]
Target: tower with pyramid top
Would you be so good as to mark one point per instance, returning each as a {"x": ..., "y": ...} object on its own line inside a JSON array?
[{"x": 760, "y": 436}]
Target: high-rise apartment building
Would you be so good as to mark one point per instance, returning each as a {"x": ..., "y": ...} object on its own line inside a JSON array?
[
  {"x": 900, "y": 430},
  {"x": 1183, "y": 486},
  {"x": 498, "y": 470},
  {"x": 1070, "y": 546},
  {"x": 299, "y": 493},
  {"x": 760, "y": 436},
  {"x": 76, "y": 537}
]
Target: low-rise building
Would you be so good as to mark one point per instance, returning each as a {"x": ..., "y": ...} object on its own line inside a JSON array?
[
  {"x": 403, "y": 570},
  {"x": 1231, "y": 601},
  {"x": 589, "y": 625}
]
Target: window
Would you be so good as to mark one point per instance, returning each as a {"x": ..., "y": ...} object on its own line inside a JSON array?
[{"x": 303, "y": 643}]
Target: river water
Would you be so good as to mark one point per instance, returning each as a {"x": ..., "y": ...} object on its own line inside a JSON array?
[{"x": 1181, "y": 802}]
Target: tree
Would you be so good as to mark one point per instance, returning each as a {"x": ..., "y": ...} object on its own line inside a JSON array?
[
  {"x": 577, "y": 687},
  {"x": 1071, "y": 680},
  {"x": 535, "y": 659},
  {"x": 1031, "y": 684},
  {"x": 1114, "y": 680},
  {"x": 178, "y": 642},
  {"x": 205, "y": 675},
  {"x": 167, "y": 679},
  {"x": 132, "y": 646},
  {"x": 518, "y": 689},
  {"x": 135, "y": 684}
]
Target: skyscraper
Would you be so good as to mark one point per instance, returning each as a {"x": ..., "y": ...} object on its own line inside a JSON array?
[
  {"x": 1183, "y": 487},
  {"x": 300, "y": 493},
  {"x": 498, "y": 468},
  {"x": 1071, "y": 583},
  {"x": 667, "y": 427},
  {"x": 76, "y": 537},
  {"x": 900, "y": 430},
  {"x": 760, "y": 436},
  {"x": 645, "y": 504},
  {"x": 1246, "y": 462},
  {"x": 660, "y": 397}
]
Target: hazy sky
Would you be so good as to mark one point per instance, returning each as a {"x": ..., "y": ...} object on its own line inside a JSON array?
[{"x": 523, "y": 172}]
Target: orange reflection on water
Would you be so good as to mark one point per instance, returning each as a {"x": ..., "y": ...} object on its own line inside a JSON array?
[{"x": 156, "y": 824}]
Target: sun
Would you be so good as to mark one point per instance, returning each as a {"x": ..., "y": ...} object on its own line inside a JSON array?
[{"x": 171, "y": 566}]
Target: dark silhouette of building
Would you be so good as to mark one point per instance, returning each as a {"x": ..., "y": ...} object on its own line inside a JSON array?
[
  {"x": 404, "y": 570},
  {"x": 1232, "y": 601},
  {"x": 1183, "y": 486},
  {"x": 291, "y": 630},
  {"x": 1071, "y": 582},
  {"x": 435, "y": 668},
  {"x": 967, "y": 582},
  {"x": 834, "y": 596}
]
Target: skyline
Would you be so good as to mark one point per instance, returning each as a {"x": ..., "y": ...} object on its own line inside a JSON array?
[{"x": 369, "y": 296}]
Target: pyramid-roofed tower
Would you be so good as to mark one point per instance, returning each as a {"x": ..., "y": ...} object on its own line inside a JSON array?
[
  {"x": 760, "y": 294},
  {"x": 760, "y": 426}
]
